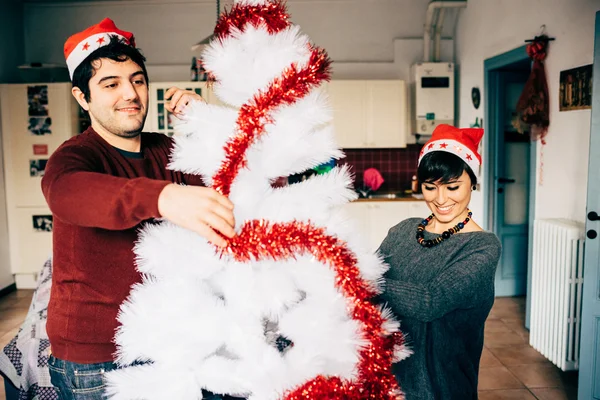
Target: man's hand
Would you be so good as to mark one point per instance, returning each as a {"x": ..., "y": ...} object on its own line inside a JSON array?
[
  {"x": 199, "y": 209},
  {"x": 180, "y": 99}
]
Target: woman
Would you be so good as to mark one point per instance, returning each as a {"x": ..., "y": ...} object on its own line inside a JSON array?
[{"x": 440, "y": 284}]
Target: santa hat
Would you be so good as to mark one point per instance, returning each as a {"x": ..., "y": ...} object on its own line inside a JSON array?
[
  {"x": 84, "y": 43},
  {"x": 460, "y": 142}
]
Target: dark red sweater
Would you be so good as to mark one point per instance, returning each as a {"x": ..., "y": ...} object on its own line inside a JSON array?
[{"x": 98, "y": 198}]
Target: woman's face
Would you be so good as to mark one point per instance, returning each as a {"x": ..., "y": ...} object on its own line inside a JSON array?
[{"x": 448, "y": 201}]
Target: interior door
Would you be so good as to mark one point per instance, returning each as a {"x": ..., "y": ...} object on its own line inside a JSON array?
[
  {"x": 589, "y": 365},
  {"x": 511, "y": 181}
]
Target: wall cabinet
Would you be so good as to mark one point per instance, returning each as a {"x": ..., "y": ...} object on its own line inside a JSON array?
[
  {"x": 375, "y": 218},
  {"x": 369, "y": 114},
  {"x": 36, "y": 119}
]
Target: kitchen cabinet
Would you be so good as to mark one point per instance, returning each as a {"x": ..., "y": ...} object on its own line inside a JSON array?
[
  {"x": 159, "y": 119},
  {"x": 348, "y": 103},
  {"x": 375, "y": 218},
  {"x": 36, "y": 120},
  {"x": 386, "y": 114},
  {"x": 369, "y": 113}
]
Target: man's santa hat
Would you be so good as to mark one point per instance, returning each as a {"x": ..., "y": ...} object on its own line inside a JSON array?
[
  {"x": 460, "y": 142},
  {"x": 82, "y": 44}
]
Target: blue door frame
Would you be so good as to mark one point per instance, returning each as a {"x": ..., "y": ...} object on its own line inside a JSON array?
[{"x": 491, "y": 66}]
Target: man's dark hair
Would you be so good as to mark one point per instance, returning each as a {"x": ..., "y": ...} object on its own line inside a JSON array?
[
  {"x": 115, "y": 50},
  {"x": 442, "y": 166}
]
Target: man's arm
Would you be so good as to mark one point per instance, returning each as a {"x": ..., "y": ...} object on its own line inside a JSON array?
[{"x": 77, "y": 194}]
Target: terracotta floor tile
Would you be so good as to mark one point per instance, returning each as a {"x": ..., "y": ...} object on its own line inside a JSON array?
[
  {"x": 507, "y": 313},
  {"x": 538, "y": 375},
  {"x": 555, "y": 393},
  {"x": 9, "y": 324},
  {"x": 8, "y": 302},
  {"x": 517, "y": 325},
  {"x": 488, "y": 360},
  {"x": 518, "y": 355},
  {"x": 493, "y": 378},
  {"x": 502, "y": 339},
  {"x": 507, "y": 307},
  {"x": 496, "y": 325},
  {"x": 24, "y": 293},
  {"x": 510, "y": 394},
  {"x": 12, "y": 313},
  {"x": 510, "y": 301},
  {"x": 12, "y": 301}
]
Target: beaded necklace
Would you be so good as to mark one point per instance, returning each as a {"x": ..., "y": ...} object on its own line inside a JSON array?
[{"x": 445, "y": 235}]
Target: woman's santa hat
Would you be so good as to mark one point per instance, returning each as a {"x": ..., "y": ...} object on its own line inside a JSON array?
[
  {"x": 460, "y": 142},
  {"x": 82, "y": 44}
]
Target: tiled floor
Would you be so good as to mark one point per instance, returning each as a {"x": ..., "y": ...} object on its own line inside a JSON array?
[{"x": 510, "y": 368}]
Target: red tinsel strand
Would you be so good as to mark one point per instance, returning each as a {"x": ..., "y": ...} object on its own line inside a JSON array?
[
  {"x": 272, "y": 15},
  {"x": 260, "y": 239},
  {"x": 292, "y": 85},
  {"x": 537, "y": 49}
]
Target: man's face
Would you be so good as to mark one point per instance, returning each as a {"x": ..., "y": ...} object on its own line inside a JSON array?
[{"x": 118, "y": 98}]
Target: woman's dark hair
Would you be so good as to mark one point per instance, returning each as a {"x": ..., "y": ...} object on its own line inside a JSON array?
[
  {"x": 441, "y": 166},
  {"x": 115, "y": 50}
]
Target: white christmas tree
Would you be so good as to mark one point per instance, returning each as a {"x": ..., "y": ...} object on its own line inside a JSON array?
[{"x": 283, "y": 312}]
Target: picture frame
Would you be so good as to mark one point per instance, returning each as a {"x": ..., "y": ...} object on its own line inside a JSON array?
[{"x": 575, "y": 88}]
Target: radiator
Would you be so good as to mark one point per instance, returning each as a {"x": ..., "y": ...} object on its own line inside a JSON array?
[{"x": 556, "y": 285}]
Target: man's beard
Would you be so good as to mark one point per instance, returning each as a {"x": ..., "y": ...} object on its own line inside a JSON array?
[{"x": 130, "y": 134}]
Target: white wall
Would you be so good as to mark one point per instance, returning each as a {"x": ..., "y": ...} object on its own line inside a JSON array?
[{"x": 489, "y": 28}]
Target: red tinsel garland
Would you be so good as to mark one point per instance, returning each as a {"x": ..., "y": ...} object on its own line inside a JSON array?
[
  {"x": 259, "y": 240},
  {"x": 292, "y": 85},
  {"x": 273, "y": 15},
  {"x": 262, "y": 240}
]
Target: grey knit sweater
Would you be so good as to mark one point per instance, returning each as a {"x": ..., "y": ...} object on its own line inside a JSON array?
[{"x": 442, "y": 296}]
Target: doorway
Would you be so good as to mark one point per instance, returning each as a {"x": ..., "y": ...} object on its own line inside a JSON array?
[{"x": 509, "y": 197}]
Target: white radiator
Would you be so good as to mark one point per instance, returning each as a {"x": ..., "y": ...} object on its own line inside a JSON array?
[{"x": 556, "y": 285}]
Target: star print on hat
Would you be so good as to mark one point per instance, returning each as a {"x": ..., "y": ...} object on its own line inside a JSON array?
[
  {"x": 460, "y": 142},
  {"x": 82, "y": 44}
]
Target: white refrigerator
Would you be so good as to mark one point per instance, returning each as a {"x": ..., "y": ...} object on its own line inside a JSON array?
[{"x": 36, "y": 119}]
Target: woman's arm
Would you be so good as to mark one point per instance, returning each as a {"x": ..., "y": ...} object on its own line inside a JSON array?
[{"x": 464, "y": 284}]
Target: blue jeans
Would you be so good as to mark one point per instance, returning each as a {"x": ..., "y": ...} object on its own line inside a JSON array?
[{"x": 74, "y": 381}]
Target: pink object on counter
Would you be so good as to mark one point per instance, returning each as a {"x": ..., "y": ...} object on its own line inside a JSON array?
[{"x": 372, "y": 179}]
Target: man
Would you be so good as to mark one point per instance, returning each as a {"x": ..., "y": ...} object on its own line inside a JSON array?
[{"x": 100, "y": 186}]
